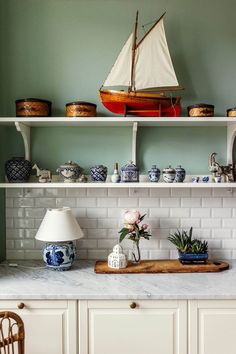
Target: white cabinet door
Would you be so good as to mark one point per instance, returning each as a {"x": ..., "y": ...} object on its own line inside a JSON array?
[
  {"x": 50, "y": 326},
  {"x": 113, "y": 327},
  {"x": 212, "y": 327}
]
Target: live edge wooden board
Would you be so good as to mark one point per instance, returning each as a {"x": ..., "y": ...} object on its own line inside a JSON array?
[{"x": 162, "y": 266}]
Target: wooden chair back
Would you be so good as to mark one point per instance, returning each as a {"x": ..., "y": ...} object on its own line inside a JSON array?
[{"x": 12, "y": 333}]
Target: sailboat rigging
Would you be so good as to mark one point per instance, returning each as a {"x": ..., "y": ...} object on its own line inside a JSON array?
[{"x": 146, "y": 69}]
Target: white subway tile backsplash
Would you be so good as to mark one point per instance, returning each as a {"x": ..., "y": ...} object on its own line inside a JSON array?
[
  {"x": 200, "y": 212},
  {"x": 191, "y": 202},
  {"x": 170, "y": 202},
  {"x": 84, "y": 202},
  {"x": 107, "y": 202},
  {"x": 97, "y": 192},
  {"x": 65, "y": 202},
  {"x": 211, "y": 202},
  {"x": 212, "y": 213},
  {"x": 34, "y": 192}
]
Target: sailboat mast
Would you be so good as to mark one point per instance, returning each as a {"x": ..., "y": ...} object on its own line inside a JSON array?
[{"x": 132, "y": 86}]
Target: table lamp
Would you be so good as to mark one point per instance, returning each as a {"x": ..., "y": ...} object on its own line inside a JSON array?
[{"x": 59, "y": 229}]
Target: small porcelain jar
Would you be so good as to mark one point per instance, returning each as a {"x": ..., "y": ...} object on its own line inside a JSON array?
[
  {"x": 180, "y": 174},
  {"x": 154, "y": 174},
  {"x": 130, "y": 173},
  {"x": 98, "y": 173},
  {"x": 169, "y": 174},
  {"x": 18, "y": 170},
  {"x": 115, "y": 178},
  {"x": 70, "y": 171}
]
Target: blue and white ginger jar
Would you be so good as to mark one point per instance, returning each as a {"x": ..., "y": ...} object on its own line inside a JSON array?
[
  {"x": 130, "y": 173},
  {"x": 59, "y": 255},
  {"x": 154, "y": 174},
  {"x": 180, "y": 174},
  {"x": 98, "y": 173}
]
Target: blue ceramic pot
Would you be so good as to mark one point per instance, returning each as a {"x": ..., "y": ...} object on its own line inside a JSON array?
[
  {"x": 193, "y": 257},
  {"x": 169, "y": 174},
  {"x": 180, "y": 174},
  {"x": 18, "y": 170},
  {"x": 129, "y": 173},
  {"x": 154, "y": 174},
  {"x": 98, "y": 173},
  {"x": 60, "y": 255}
]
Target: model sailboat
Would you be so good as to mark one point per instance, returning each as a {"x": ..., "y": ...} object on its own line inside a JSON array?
[{"x": 146, "y": 69}]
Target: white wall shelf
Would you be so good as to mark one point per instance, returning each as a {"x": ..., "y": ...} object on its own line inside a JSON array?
[
  {"x": 119, "y": 121},
  {"x": 32, "y": 185},
  {"x": 23, "y": 125}
]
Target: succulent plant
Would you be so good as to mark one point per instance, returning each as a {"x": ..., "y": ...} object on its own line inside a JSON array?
[{"x": 186, "y": 244}]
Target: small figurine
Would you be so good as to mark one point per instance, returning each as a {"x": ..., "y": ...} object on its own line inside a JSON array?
[
  {"x": 117, "y": 259},
  {"x": 83, "y": 179},
  {"x": 115, "y": 178},
  {"x": 195, "y": 179},
  {"x": 225, "y": 172},
  {"x": 205, "y": 179},
  {"x": 45, "y": 176}
]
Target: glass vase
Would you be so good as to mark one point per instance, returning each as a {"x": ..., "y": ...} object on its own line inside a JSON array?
[{"x": 136, "y": 256}]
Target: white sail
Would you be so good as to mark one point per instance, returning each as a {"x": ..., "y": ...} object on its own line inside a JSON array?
[
  {"x": 153, "y": 64},
  {"x": 120, "y": 74}
]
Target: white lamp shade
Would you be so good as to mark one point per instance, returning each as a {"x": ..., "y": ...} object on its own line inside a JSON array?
[{"x": 59, "y": 225}]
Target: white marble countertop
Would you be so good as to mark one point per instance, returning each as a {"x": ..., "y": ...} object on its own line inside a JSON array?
[{"x": 82, "y": 283}]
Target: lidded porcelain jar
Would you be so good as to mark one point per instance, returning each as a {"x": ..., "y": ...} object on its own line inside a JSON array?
[
  {"x": 117, "y": 259},
  {"x": 154, "y": 174},
  {"x": 69, "y": 171},
  {"x": 18, "y": 170},
  {"x": 180, "y": 174},
  {"x": 130, "y": 173},
  {"x": 169, "y": 174},
  {"x": 98, "y": 173}
]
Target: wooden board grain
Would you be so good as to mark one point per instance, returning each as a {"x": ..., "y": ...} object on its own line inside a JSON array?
[{"x": 162, "y": 266}]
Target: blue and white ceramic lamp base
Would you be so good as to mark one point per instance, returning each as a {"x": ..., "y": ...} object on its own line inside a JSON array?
[{"x": 59, "y": 255}]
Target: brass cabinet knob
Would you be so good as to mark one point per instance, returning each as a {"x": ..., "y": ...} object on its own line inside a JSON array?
[
  {"x": 21, "y": 305},
  {"x": 133, "y": 305}
]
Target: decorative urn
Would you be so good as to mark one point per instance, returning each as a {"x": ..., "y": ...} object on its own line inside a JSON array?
[
  {"x": 69, "y": 171},
  {"x": 18, "y": 170},
  {"x": 169, "y": 174},
  {"x": 180, "y": 174},
  {"x": 154, "y": 174},
  {"x": 130, "y": 173},
  {"x": 117, "y": 259},
  {"x": 98, "y": 173}
]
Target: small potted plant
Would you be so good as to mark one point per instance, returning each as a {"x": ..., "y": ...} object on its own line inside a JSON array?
[
  {"x": 190, "y": 250},
  {"x": 134, "y": 229}
]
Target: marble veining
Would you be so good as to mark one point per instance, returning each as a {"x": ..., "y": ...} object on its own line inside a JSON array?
[{"x": 82, "y": 283}]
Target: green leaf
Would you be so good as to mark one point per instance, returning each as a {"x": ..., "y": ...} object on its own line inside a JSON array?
[{"x": 124, "y": 234}]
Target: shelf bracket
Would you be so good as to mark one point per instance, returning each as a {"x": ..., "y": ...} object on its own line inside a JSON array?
[
  {"x": 25, "y": 132},
  {"x": 231, "y": 134},
  {"x": 134, "y": 141}
]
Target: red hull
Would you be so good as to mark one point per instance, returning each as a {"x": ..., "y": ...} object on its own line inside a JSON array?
[{"x": 141, "y": 104}]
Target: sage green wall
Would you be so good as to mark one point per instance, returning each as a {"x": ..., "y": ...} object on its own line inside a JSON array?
[{"x": 62, "y": 50}]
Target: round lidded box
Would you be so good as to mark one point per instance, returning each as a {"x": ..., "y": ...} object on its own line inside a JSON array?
[
  {"x": 201, "y": 110},
  {"x": 231, "y": 112},
  {"x": 81, "y": 109},
  {"x": 33, "y": 107}
]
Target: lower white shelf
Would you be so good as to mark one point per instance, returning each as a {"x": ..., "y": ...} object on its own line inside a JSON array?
[{"x": 117, "y": 185}]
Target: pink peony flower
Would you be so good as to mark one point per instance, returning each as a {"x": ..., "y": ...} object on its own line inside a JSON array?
[
  {"x": 144, "y": 226},
  {"x": 131, "y": 216}
]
